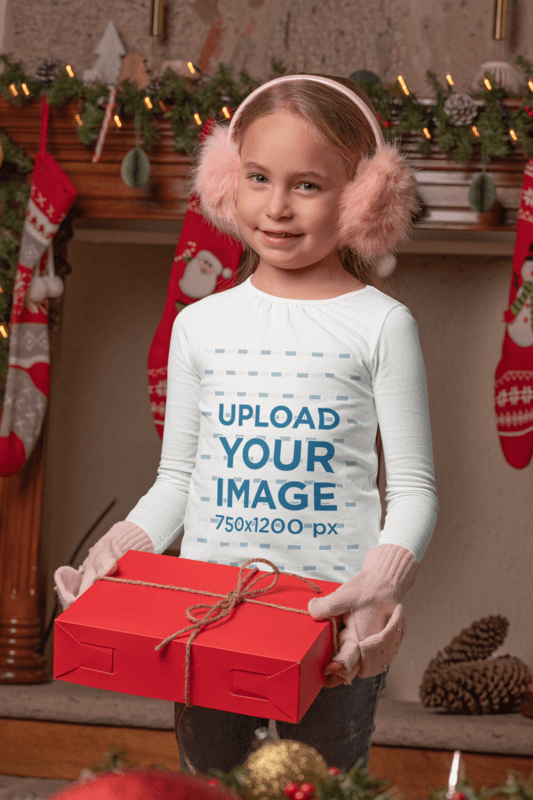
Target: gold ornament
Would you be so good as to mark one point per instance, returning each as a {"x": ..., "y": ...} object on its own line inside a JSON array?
[{"x": 276, "y": 764}]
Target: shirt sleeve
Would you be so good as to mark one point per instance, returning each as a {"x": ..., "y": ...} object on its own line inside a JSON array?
[
  {"x": 401, "y": 400},
  {"x": 161, "y": 511}
]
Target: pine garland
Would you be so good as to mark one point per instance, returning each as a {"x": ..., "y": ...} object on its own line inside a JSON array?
[
  {"x": 356, "y": 784},
  {"x": 176, "y": 99}
]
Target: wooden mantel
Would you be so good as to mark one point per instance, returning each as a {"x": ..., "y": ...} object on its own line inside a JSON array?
[{"x": 442, "y": 183}]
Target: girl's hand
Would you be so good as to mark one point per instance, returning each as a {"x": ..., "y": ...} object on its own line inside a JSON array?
[
  {"x": 373, "y": 616},
  {"x": 102, "y": 560}
]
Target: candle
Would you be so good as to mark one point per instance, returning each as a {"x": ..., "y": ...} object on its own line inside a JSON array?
[
  {"x": 157, "y": 17},
  {"x": 500, "y": 13}
]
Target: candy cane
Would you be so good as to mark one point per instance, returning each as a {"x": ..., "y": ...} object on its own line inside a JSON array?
[{"x": 105, "y": 124}]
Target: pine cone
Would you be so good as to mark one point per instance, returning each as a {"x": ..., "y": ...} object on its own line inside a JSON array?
[
  {"x": 496, "y": 686},
  {"x": 154, "y": 85},
  {"x": 47, "y": 71},
  {"x": 461, "y": 109},
  {"x": 480, "y": 640}
]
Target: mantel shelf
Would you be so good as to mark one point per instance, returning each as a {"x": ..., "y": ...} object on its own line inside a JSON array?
[{"x": 442, "y": 183}]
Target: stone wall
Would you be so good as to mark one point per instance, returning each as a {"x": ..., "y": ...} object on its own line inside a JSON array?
[{"x": 335, "y": 37}]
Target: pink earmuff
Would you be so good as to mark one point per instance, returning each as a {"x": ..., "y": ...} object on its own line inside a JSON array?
[{"x": 376, "y": 206}]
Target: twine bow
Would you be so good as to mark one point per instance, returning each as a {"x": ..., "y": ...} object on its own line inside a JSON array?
[{"x": 243, "y": 592}]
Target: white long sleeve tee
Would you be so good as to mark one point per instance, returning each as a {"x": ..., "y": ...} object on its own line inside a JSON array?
[{"x": 269, "y": 447}]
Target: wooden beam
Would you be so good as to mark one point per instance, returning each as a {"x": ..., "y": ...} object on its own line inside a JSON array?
[{"x": 21, "y": 600}]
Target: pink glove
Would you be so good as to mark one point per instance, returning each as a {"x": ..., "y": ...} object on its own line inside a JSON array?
[
  {"x": 373, "y": 616},
  {"x": 102, "y": 560}
]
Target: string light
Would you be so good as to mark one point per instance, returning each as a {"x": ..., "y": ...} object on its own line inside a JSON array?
[
  {"x": 450, "y": 79},
  {"x": 25, "y": 90},
  {"x": 78, "y": 120},
  {"x": 191, "y": 67},
  {"x": 530, "y": 84},
  {"x": 197, "y": 119},
  {"x": 487, "y": 84},
  {"x": 13, "y": 90},
  {"x": 226, "y": 112},
  {"x": 513, "y": 135},
  {"x": 69, "y": 70},
  {"x": 147, "y": 102},
  {"x": 403, "y": 85},
  {"x": 475, "y": 131},
  {"x": 3, "y": 331},
  {"x": 118, "y": 123},
  {"x": 427, "y": 133}
]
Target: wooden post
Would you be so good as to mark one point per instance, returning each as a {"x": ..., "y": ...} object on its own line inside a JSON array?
[{"x": 21, "y": 610}]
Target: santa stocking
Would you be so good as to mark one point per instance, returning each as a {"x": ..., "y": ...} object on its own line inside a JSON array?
[
  {"x": 513, "y": 391},
  {"x": 28, "y": 377},
  {"x": 205, "y": 262}
]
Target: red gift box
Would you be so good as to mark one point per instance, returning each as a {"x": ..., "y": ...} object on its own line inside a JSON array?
[{"x": 259, "y": 660}]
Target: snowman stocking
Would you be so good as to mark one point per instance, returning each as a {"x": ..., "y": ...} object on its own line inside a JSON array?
[
  {"x": 205, "y": 262},
  {"x": 513, "y": 390},
  {"x": 28, "y": 378}
]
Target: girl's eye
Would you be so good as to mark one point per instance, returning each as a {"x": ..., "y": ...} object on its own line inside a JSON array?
[
  {"x": 261, "y": 177},
  {"x": 310, "y": 186}
]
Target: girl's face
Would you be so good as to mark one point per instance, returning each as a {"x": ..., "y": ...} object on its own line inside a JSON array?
[{"x": 290, "y": 182}]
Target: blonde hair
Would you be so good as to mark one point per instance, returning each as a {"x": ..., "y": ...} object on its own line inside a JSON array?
[{"x": 343, "y": 125}]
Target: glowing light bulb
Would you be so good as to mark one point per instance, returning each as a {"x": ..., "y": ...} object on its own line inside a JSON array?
[
  {"x": 69, "y": 70},
  {"x": 147, "y": 102},
  {"x": 78, "y": 120},
  {"x": 13, "y": 90},
  {"x": 513, "y": 135},
  {"x": 475, "y": 131},
  {"x": 530, "y": 84},
  {"x": 118, "y": 122},
  {"x": 191, "y": 67},
  {"x": 487, "y": 84},
  {"x": 197, "y": 119},
  {"x": 3, "y": 331},
  {"x": 226, "y": 112},
  {"x": 403, "y": 85},
  {"x": 25, "y": 89},
  {"x": 427, "y": 133},
  {"x": 450, "y": 79}
]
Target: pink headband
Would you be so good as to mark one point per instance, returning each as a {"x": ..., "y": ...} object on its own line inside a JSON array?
[{"x": 339, "y": 87}]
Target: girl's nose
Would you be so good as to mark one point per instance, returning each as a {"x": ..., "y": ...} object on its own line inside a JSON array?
[{"x": 278, "y": 204}]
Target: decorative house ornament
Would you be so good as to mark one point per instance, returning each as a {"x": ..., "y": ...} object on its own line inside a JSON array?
[{"x": 110, "y": 50}]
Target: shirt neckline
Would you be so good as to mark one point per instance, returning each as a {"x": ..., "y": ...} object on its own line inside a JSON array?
[{"x": 302, "y": 302}]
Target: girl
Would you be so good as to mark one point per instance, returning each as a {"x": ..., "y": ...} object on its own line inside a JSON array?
[{"x": 276, "y": 389}]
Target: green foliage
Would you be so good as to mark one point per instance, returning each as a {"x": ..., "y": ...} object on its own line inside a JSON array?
[
  {"x": 178, "y": 101},
  {"x": 14, "y": 196}
]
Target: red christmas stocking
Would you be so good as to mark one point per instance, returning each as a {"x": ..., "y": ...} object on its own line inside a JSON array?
[
  {"x": 513, "y": 390},
  {"x": 28, "y": 377},
  {"x": 205, "y": 262}
]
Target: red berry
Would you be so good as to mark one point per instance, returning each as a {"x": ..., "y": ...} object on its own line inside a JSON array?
[
  {"x": 530, "y": 113},
  {"x": 214, "y": 782},
  {"x": 291, "y": 788},
  {"x": 459, "y": 796},
  {"x": 379, "y": 116},
  {"x": 334, "y": 771},
  {"x": 386, "y": 123},
  {"x": 308, "y": 789},
  {"x": 299, "y": 795}
]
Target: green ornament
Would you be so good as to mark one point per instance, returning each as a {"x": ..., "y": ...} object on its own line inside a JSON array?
[
  {"x": 135, "y": 169},
  {"x": 482, "y": 194}
]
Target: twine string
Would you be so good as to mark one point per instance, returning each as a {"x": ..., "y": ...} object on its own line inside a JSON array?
[{"x": 243, "y": 592}]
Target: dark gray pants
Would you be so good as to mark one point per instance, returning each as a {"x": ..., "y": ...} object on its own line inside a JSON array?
[{"x": 339, "y": 724}]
